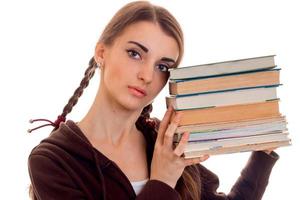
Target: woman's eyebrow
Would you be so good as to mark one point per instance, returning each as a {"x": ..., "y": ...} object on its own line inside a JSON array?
[
  {"x": 167, "y": 59},
  {"x": 140, "y": 45}
]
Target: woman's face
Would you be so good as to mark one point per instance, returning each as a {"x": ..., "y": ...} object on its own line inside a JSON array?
[{"x": 136, "y": 64}]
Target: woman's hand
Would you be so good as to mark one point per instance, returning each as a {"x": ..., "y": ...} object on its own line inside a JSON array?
[{"x": 167, "y": 164}]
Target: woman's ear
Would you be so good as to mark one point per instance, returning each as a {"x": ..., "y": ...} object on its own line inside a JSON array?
[{"x": 99, "y": 54}]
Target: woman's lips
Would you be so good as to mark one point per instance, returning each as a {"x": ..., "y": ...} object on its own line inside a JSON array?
[{"x": 137, "y": 91}]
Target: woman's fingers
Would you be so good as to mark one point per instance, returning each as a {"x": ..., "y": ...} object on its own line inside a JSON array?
[
  {"x": 168, "y": 137},
  {"x": 192, "y": 161},
  {"x": 164, "y": 125},
  {"x": 179, "y": 150}
]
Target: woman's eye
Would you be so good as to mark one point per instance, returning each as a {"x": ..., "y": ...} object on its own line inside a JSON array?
[
  {"x": 133, "y": 54},
  {"x": 163, "y": 68}
]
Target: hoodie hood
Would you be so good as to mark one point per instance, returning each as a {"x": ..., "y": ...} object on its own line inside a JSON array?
[{"x": 71, "y": 139}]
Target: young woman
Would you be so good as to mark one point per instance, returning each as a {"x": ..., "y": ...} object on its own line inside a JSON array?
[{"x": 117, "y": 151}]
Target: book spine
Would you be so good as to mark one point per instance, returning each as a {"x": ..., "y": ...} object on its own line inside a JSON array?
[
  {"x": 244, "y": 148},
  {"x": 230, "y": 113},
  {"x": 229, "y": 125},
  {"x": 224, "y": 98},
  {"x": 225, "y": 82},
  {"x": 225, "y": 67}
]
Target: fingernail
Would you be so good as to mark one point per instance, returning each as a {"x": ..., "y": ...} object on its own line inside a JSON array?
[
  {"x": 186, "y": 135},
  {"x": 169, "y": 108}
]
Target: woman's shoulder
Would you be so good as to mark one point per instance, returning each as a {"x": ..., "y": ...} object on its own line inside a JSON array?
[
  {"x": 66, "y": 140},
  {"x": 47, "y": 146}
]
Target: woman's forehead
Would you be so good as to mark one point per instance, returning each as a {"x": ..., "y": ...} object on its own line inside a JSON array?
[{"x": 150, "y": 35}]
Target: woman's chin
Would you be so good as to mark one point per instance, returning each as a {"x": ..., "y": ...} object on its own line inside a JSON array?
[{"x": 134, "y": 105}]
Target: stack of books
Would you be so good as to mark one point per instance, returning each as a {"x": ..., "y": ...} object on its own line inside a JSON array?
[{"x": 229, "y": 106}]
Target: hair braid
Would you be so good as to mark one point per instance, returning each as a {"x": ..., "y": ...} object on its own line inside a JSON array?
[
  {"x": 89, "y": 73},
  {"x": 144, "y": 121}
]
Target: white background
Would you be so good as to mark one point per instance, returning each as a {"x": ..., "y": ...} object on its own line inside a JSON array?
[{"x": 45, "y": 47}]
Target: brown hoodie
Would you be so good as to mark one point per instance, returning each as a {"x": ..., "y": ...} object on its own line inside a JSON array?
[{"x": 66, "y": 166}]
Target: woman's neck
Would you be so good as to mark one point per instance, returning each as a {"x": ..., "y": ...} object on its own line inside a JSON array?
[{"x": 109, "y": 122}]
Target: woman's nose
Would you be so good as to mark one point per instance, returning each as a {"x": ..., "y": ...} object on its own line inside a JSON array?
[{"x": 146, "y": 73}]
